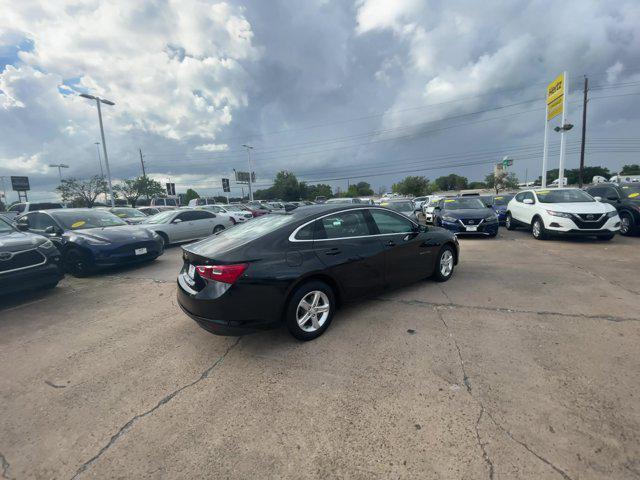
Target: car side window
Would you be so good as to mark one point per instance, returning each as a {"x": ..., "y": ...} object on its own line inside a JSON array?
[
  {"x": 307, "y": 233},
  {"x": 610, "y": 192},
  {"x": 388, "y": 222},
  {"x": 185, "y": 216},
  {"x": 597, "y": 192},
  {"x": 40, "y": 221},
  {"x": 202, "y": 215},
  {"x": 519, "y": 197},
  {"x": 530, "y": 196},
  {"x": 343, "y": 225},
  {"x": 19, "y": 207}
]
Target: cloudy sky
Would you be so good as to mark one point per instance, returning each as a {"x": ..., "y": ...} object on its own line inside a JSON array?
[{"x": 335, "y": 91}]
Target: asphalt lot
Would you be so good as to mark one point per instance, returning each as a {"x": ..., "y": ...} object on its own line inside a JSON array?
[{"x": 525, "y": 365}]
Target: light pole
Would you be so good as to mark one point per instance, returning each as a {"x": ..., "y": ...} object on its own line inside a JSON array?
[
  {"x": 59, "y": 166},
  {"x": 99, "y": 159},
  {"x": 564, "y": 128},
  {"x": 104, "y": 144},
  {"x": 249, "y": 148}
]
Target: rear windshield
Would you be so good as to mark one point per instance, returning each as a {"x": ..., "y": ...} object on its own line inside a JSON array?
[
  {"x": 398, "y": 206},
  {"x": 127, "y": 212},
  {"x": 44, "y": 206},
  {"x": 572, "y": 195},
  {"x": 162, "y": 217}
]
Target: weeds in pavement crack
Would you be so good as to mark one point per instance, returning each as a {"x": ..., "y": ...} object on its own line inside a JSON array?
[{"x": 127, "y": 426}]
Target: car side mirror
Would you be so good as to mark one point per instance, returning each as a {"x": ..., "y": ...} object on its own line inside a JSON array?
[
  {"x": 177, "y": 220},
  {"x": 22, "y": 226},
  {"x": 52, "y": 230},
  {"x": 597, "y": 199},
  {"x": 528, "y": 201}
]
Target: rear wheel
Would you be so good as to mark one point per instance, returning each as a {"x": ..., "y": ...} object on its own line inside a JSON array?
[
  {"x": 444, "y": 264},
  {"x": 538, "y": 230},
  {"x": 218, "y": 229},
  {"x": 310, "y": 310},
  {"x": 508, "y": 222},
  {"x": 78, "y": 263}
]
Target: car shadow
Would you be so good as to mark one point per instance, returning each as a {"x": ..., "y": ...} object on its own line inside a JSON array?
[{"x": 10, "y": 301}]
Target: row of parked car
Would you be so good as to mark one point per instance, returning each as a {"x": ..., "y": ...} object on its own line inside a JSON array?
[{"x": 599, "y": 210}]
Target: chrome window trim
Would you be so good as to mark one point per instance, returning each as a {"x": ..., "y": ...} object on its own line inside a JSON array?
[
  {"x": 295, "y": 232},
  {"x": 28, "y": 266}
]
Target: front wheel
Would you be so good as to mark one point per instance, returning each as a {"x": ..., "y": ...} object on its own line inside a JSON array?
[
  {"x": 444, "y": 265},
  {"x": 508, "y": 222},
  {"x": 538, "y": 230},
  {"x": 78, "y": 263},
  {"x": 310, "y": 310},
  {"x": 626, "y": 223}
]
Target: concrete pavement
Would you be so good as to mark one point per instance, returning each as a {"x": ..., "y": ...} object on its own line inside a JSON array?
[{"x": 525, "y": 365}]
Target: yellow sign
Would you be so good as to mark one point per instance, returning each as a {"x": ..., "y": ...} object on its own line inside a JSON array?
[{"x": 555, "y": 97}]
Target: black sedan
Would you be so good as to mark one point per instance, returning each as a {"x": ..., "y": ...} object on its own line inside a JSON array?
[
  {"x": 27, "y": 261},
  {"x": 93, "y": 238},
  {"x": 298, "y": 266}
]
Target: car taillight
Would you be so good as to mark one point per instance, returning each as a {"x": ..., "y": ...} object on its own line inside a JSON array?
[{"x": 222, "y": 273}]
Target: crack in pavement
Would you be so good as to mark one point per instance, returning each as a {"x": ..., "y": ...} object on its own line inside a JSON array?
[
  {"x": 166, "y": 399},
  {"x": 610, "y": 318},
  {"x": 485, "y": 454},
  {"x": 5, "y": 467}
]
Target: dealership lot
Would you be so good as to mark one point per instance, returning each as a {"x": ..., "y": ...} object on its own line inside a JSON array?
[{"x": 525, "y": 365}]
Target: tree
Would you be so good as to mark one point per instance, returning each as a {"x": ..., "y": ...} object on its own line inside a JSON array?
[
  {"x": 412, "y": 185},
  {"x": 501, "y": 181},
  {"x": 572, "y": 175},
  {"x": 133, "y": 189},
  {"x": 82, "y": 193},
  {"x": 190, "y": 195},
  {"x": 452, "y": 182},
  {"x": 633, "y": 169},
  {"x": 477, "y": 185},
  {"x": 382, "y": 190},
  {"x": 360, "y": 189}
]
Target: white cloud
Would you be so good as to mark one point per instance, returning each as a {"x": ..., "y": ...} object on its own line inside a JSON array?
[{"x": 213, "y": 147}]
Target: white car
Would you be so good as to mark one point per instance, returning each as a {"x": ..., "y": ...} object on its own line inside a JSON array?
[
  {"x": 558, "y": 211},
  {"x": 428, "y": 207},
  {"x": 185, "y": 225},
  {"x": 236, "y": 213}
]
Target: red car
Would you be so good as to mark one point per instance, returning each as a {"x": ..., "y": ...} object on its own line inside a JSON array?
[{"x": 257, "y": 211}]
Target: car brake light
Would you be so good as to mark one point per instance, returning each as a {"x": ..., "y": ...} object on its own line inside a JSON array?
[{"x": 222, "y": 273}]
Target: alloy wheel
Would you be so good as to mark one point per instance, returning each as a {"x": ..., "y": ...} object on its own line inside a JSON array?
[
  {"x": 536, "y": 228},
  {"x": 625, "y": 225},
  {"x": 313, "y": 311},
  {"x": 446, "y": 263}
]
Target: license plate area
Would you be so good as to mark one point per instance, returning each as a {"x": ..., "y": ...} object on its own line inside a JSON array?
[
  {"x": 140, "y": 251},
  {"x": 191, "y": 271},
  {"x": 472, "y": 228}
]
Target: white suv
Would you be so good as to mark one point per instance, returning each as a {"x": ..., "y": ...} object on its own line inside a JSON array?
[{"x": 562, "y": 211}]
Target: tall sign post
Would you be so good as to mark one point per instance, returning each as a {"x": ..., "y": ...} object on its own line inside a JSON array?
[
  {"x": 21, "y": 185},
  {"x": 556, "y": 104}
]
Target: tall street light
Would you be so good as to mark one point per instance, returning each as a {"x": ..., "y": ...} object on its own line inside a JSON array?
[
  {"x": 104, "y": 144},
  {"x": 97, "y": 144},
  {"x": 59, "y": 166},
  {"x": 249, "y": 148}
]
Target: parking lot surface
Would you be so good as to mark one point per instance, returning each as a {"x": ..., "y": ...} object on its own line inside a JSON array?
[{"x": 525, "y": 365}]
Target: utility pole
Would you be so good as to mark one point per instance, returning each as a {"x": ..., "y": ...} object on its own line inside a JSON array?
[
  {"x": 144, "y": 175},
  {"x": 249, "y": 148},
  {"x": 97, "y": 144},
  {"x": 584, "y": 129}
]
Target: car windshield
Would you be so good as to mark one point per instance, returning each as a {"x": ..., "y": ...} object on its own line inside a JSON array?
[
  {"x": 81, "y": 219},
  {"x": 567, "y": 195},
  {"x": 632, "y": 192},
  {"x": 486, "y": 200},
  {"x": 126, "y": 212},
  {"x": 502, "y": 199},
  {"x": 340, "y": 200},
  {"x": 162, "y": 217},
  {"x": 5, "y": 227},
  {"x": 398, "y": 206},
  {"x": 463, "y": 203}
]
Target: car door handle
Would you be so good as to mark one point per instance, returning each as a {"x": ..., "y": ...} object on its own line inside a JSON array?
[
  {"x": 333, "y": 251},
  {"x": 390, "y": 243}
]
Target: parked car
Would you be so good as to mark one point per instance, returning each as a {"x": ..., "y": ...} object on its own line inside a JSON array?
[
  {"x": 342, "y": 201},
  {"x": 185, "y": 225},
  {"x": 257, "y": 209},
  {"x": 298, "y": 266},
  {"x": 149, "y": 211},
  {"x": 466, "y": 215},
  {"x": 164, "y": 202},
  {"x": 18, "y": 209},
  {"x": 27, "y": 261},
  {"x": 429, "y": 207},
  {"x": 559, "y": 211},
  {"x": 499, "y": 204},
  {"x": 418, "y": 202},
  {"x": 90, "y": 239},
  {"x": 236, "y": 214},
  {"x": 405, "y": 207},
  {"x": 200, "y": 201},
  {"x": 625, "y": 198},
  {"x": 132, "y": 216}
]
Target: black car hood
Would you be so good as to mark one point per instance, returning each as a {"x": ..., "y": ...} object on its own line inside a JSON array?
[
  {"x": 469, "y": 213},
  {"x": 16, "y": 241},
  {"x": 113, "y": 234}
]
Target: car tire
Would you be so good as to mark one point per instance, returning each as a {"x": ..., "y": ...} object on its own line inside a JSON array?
[
  {"x": 626, "y": 224},
  {"x": 607, "y": 237},
  {"x": 218, "y": 229},
  {"x": 445, "y": 264},
  {"x": 78, "y": 263},
  {"x": 316, "y": 323},
  {"x": 165, "y": 240},
  {"x": 508, "y": 222},
  {"x": 537, "y": 229},
  {"x": 493, "y": 234},
  {"x": 50, "y": 286}
]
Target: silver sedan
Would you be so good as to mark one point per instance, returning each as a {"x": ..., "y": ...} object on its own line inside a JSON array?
[{"x": 187, "y": 224}]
